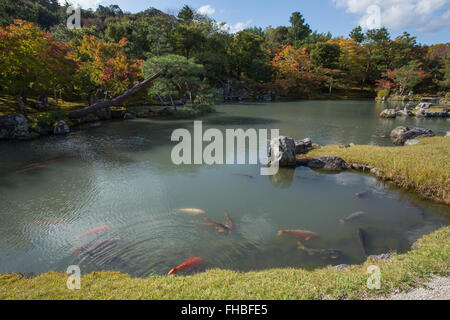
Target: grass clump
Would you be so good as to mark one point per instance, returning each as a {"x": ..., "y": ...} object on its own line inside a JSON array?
[
  {"x": 423, "y": 168},
  {"x": 401, "y": 272}
]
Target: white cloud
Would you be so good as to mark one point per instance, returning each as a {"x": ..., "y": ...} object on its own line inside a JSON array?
[
  {"x": 424, "y": 15},
  {"x": 236, "y": 27},
  {"x": 206, "y": 10},
  {"x": 85, "y": 4}
]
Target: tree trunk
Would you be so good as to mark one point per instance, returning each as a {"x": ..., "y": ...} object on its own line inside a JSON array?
[{"x": 116, "y": 101}]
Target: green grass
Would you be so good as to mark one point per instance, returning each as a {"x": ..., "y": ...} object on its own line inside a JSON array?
[
  {"x": 400, "y": 272},
  {"x": 423, "y": 168}
]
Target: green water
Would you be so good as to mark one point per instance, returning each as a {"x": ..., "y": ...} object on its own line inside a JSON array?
[{"x": 120, "y": 175}]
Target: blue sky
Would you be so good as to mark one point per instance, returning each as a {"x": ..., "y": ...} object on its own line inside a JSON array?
[{"x": 429, "y": 20}]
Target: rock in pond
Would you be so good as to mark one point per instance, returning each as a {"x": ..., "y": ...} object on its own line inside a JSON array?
[
  {"x": 328, "y": 163},
  {"x": 13, "y": 127},
  {"x": 447, "y": 134},
  {"x": 388, "y": 114},
  {"x": 61, "y": 128},
  {"x": 285, "y": 155},
  {"x": 400, "y": 136},
  {"x": 128, "y": 116},
  {"x": 303, "y": 146},
  {"x": 397, "y": 132}
]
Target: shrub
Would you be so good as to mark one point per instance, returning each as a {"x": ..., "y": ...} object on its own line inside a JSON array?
[
  {"x": 49, "y": 119},
  {"x": 383, "y": 93}
]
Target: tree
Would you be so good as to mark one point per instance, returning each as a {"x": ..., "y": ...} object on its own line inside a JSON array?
[
  {"x": 405, "y": 49},
  {"x": 357, "y": 35},
  {"x": 245, "y": 48},
  {"x": 312, "y": 39},
  {"x": 353, "y": 59},
  {"x": 104, "y": 68},
  {"x": 294, "y": 72},
  {"x": 188, "y": 38},
  {"x": 326, "y": 55},
  {"x": 186, "y": 14},
  {"x": 405, "y": 78},
  {"x": 31, "y": 61},
  {"x": 276, "y": 37},
  {"x": 299, "y": 29},
  {"x": 183, "y": 77}
]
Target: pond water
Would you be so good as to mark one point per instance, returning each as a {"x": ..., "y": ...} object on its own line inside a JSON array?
[{"x": 120, "y": 175}]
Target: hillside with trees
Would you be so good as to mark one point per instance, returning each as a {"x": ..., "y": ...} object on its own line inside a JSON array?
[{"x": 40, "y": 58}]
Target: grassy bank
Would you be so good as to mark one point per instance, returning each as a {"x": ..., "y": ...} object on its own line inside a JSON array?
[
  {"x": 400, "y": 272},
  {"x": 423, "y": 168}
]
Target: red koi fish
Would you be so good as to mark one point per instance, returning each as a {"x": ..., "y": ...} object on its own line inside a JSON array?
[
  {"x": 186, "y": 266},
  {"x": 93, "y": 231},
  {"x": 35, "y": 166},
  {"x": 308, "y": 235}
]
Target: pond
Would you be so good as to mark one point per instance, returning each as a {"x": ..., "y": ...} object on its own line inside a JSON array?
[{"x": 119, "y": 176}]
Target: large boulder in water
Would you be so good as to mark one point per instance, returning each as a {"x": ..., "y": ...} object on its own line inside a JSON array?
[
  {"x": 411, "y": 134},
  {"x": 61, "y": 128},
  {"x": 13, "y": 127},
  {"x": 328, "y": 163},
  {"x": 388, "y": 114},
  {"x": 285, "y": 155},
  {"x": 398, "y": 132},
  {"x": 303, "y": 146}
]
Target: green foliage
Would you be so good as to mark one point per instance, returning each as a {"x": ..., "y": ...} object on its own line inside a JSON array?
[
  {"x": 357, "y": 35},
  {"x": 43, "y": 12},
  {"x": 244, "y": 49},
  {"x": 49, "y": 119},
  {"x": 326, "y": 55},
  {"x": 32, "y": 61},
  {"x": 299, "y": 29},
  {"x": 255, "y": 55},
  {"x": 183, "y": 78},
  {"x": 383, "y": 93},
  {"x": 313, "y": 39}
]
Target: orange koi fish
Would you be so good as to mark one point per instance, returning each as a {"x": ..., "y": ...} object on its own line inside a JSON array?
[
  {"x": 93, "y": 231},
  {"x": 186, "y": 266},
  {"x": 308, "y": 235},
  {"x": 35, "y": 166}
]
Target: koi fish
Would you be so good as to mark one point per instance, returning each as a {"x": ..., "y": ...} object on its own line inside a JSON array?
[
  {"x": 187, "y": 266},
  {"x": 98, "y": 247},
  {"x": 35, "y": 166},
  {"x": 219, "y": 227},
  {"x": 324, "y": 254},
  {"x": 190, "y": 211},
  {"x": 93, "y": 231},
  {"x": 353, "y": 216},
  {"x": 308, "y": 235},
  {"x": 243, "y": 175},
  {"x": 362, "y": 195},
  {"x": 362, "y": 236},
  {"x": 228, "y": 221}
]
